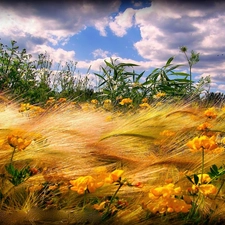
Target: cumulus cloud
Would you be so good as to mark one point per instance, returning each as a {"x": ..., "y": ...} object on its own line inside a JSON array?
[
  {"x": 100, "y": 53},
  {"x": 122, "y": 22},
  {"x": 53, "y": 21},
  {"x": 58, "y": 55}
]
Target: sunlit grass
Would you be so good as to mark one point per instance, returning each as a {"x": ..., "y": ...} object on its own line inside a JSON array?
[{"x": 97, "y": 163}]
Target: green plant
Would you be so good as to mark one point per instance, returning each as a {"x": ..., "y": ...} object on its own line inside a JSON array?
[
  {"x": 167, "y": 80},
  {"x": 193, "y": 59},
  {"x": 117, "y": 82}
]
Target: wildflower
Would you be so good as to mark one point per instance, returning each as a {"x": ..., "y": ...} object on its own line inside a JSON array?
[
  {"x": 144, "y": 100},
  {"x": 204, "y": 126},
  {"x": 125, "y": 101},
  {"x": 114, "y": 176},
  {"x": 18, "y": 142},
  {"x": 159, "y": 95},
  {"x": 94, "y": 101},
  {"x": 85, "y": 183},
  {"x": 204, "y": 143},
  {"x": 166, "y": 199},
  {"x": 145, "y": 105},
  {"x": 24, "y": 107},
  {"x": 108, "y": 104},
  {"x": 211, "y": 113},
  {"x": 207, "y": 189}
]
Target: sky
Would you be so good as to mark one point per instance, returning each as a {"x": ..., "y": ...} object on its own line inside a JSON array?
[{"x": 146, "y": 33}]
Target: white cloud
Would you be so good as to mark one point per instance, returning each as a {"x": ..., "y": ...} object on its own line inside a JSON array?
[
  {"x": 100, "y": 53},
  {"x": 54, "y": 23},
  {"x": 122, "y": 22},
  {"x": 57, "y": 55}
]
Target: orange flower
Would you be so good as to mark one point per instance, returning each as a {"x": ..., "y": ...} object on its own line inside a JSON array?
[
  {"x": 114, "y": 176},
  {"x": 204, "y": 143},
  {"x": 18, "y": 142},
  {"x": 145, "y": 105},
  {"x": 85, "y": 183},
  {"x": 211, "y": 113},
  {"x": 204, "y": 126},
  {"x": 166, "y": 199},
  {"x": 159, "y": 95},
  {"x": 126, "y": 101}
]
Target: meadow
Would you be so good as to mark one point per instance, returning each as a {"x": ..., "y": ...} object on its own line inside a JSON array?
[{"x": 133, "y": 151}]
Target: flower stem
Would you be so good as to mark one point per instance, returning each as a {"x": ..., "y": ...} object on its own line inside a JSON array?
[
  {"x": 14, "y": 149},
  {"x": 203, "y": 159}
]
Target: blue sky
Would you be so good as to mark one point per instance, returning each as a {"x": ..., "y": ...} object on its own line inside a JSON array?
[{"x": 146, "y": 33}]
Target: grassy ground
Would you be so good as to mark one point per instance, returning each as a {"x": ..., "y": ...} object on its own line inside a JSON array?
[{"x": 68, "y": 163}]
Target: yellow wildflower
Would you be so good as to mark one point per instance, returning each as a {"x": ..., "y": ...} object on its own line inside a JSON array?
[
  {"x": 159, "y": 95},
  {"x": 144, "y": 100},
  {"x": 204, "y": 143},
  {"x": 211, "y": 113},
  {"x": 85, "y": 183},
  {"x": 205, "y": 189},
  {"x": 94, "y": 101},
  {"x": 145, "y": 105},
  {"x": 204, "y": 126},
  {"x": 114, "y": 176},
  {"x": 17, "y": 141},
  {"x": 166, "y": 199},
  {"x": 125, "y": 101},
  {"x": 107, "y": 104}
]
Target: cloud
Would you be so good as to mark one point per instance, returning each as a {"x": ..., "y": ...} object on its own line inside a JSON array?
[
  {"x": 122, "y": 22},
  {"x": 53, "y": 21},
  {"x": 100, "y": 53},
  {"x": 58, "y": 55}
]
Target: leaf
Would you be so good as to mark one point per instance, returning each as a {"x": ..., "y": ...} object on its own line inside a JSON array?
[
  {"x": 196, "y": 179},
  {"x": 180, "y": 74},
  {"x": 189, "y": 178},
  {"x": 169, "y": 61}
]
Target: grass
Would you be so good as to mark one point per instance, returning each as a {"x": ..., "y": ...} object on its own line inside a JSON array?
[{"x": 87, "y": 164}]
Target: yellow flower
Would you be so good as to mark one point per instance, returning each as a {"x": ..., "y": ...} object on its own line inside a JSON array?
[
  {"x": 125, "y": 101},
  {"x": 207, "y": 189},
  {"x": 204, "y": 143},
  {"x": 85, "y": 183},
  {"x": 114, "y": 176},
  {"x": 144, "y": 100},
  {"x": 204, "y": 178},
  {"x": 211, "y": 113},
  {"x": 159, "y": 95},
  {"x": 145, "y": 105},
  {"x": 17, "y": 141},
  {"x": 166, "y": 199},
  {"x": 204, "y": 126},
  {"x": 94, "y": 101},
  {"x": 108, "y": 104}
]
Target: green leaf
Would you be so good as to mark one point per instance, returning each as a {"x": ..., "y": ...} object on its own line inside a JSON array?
[
  {"x": 189, "y": 178},
  {"x": 180, "y": 74},
  {"x": 169, "y": 61},
  {"x": 196, "y": 179}
]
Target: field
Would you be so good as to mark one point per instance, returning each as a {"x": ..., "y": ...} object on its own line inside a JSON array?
[
  {"x": 81, "y": 163},
  {"x": 134, "y": 149}
]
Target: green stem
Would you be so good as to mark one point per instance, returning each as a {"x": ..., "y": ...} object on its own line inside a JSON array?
[
  {"x": 111, "y": 200},
  {"x": 220, "y": 188},
  {"x": 14, "y": 149},
  {"x": 203, "y": 159}
]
